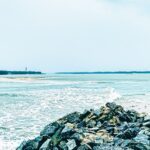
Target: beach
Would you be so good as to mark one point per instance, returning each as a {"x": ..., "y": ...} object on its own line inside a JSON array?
[{"x": 28, "y": 103}]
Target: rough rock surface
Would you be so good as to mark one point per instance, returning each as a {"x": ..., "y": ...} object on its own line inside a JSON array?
[{"x": 108, "y": 128}]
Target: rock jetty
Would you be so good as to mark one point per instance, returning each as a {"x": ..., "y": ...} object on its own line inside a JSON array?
[{"x": 107, "y": 128}]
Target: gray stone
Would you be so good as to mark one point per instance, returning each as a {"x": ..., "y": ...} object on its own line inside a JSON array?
[
  {"x": 85, "y": 114},
  {"x": 125, "y": 143},
  {"x": 56, "y": 138},
  {"x": 99, "y": 124},
  {"x": 107, "y": 147},
  {"x": 21, "y": 145},
  {"x": 123, "y": 116},
  {"x": 55, "y": 148},
  {"x": 91, "y": 124},
  {"x": 84, "y": 147},
  {"x": 81, "y": 124},
  {"x": 112, "y": 105},
  {"x": 117, "y": 141},
  {"x": 66, "y": 130},
  {"x": 147, "y": 124},
  {"x": 145, "y": 130},
  {"x": 71, "y": 144},
  {"x": 123, "y": 126},
  {"x": 97, "y": 112},
  {"x": 142, "y": 138},
  {"x": 129, "y": 133},
  {"x": 138, "y": 146},
  {"x": 146, "y": 118},
  {"x": 32, "y": 144},
  {"x": 77, "y": 136},
  {"x": 99, "y": 140},
  {"x": 63, "y": 145},
  {"x": 45, "y": 145},
  {"x": 133, "y": 115},
  {"x": 50, "y": 129},
  {"x": 73, "y": 118}
]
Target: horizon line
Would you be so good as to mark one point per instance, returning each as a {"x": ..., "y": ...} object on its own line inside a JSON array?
[{"x": 104, "y": 72}]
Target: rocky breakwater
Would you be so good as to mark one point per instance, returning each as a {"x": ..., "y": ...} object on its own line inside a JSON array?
[{"x": 108, "y": 128}]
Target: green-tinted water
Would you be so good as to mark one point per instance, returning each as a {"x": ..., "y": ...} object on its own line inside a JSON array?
[{"x": 28, "y": 103}]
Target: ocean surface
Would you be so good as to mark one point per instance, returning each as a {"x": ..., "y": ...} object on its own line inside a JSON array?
[{"x": 28, "y": 103}]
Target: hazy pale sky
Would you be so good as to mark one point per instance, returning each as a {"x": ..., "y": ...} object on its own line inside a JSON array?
[{"x": 75, "y": 35}]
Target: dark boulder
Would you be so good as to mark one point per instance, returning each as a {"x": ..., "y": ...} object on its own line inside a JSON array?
[
  {"x": 63, "y": 145},
  {"x": 71, "y": 144},
  {"x": 107, "y": 147},
  {"x": 67, "y": 131},
  {"x": 91, "y": 124},
  {"x": 112, "y": 105},
  {"x": 129, "y": 133},
  {"x": 50, "y": 129},
  {"x": 32, "y": 144},
  {"x": 84, "y": 147},
  {"x": 138, "y": 146},
  {"x": 73, "y": 118},
  {"x": 146, "y": 124},
  {"x": 77, "y": 136}
]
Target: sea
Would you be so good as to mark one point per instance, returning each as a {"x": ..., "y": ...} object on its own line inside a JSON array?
[{"x": 29, "y": 102}]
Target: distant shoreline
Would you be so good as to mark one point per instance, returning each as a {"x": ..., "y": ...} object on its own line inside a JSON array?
[
  {"x": 4, "y": 72},
  {"x": 107, "y": 72}
]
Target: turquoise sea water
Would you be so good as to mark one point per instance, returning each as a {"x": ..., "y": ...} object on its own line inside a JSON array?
[{"x": 28, "y": 103}]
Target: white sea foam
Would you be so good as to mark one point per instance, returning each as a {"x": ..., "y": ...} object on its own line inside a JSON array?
[
  {"x": 35, "y": 80},
  {"x": 110, "y": 95},
  {"x": 8, "y": 145}
]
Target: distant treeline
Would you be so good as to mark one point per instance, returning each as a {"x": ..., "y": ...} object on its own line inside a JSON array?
[
  {"x": 107, "y": 72},
  {"x": 4, "y": 72}
]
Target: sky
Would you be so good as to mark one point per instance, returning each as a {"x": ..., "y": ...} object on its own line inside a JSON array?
[{"x": 75, "y": 35}]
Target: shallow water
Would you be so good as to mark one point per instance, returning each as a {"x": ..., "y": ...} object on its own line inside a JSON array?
[{"x": 28, "y": 103}]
